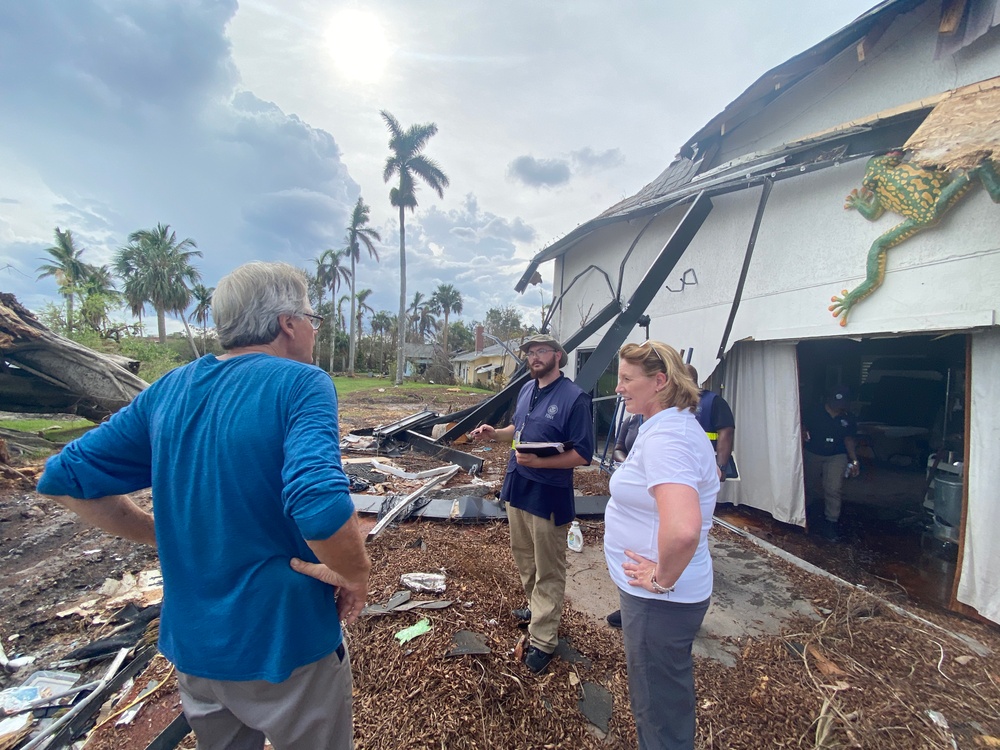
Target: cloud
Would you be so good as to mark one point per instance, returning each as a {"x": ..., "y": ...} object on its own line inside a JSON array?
[
  {"x": 120, "y": 116},
  {"x": 539, "y": 172},
  {"x": 554, "y": 172},
  {"x": 588, "y": 160}
]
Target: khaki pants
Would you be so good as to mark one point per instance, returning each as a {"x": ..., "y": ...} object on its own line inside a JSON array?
[
  {"x": 826, "y": 472},
  {"x": 539, "y": 549}
]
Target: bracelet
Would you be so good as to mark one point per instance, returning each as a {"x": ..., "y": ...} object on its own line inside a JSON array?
[{"x": 657, "y": 588}]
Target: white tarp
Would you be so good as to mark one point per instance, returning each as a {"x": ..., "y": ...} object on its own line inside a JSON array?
[
  {"x": 979, "y": 584},
  {"x": 762, "y": 386}
]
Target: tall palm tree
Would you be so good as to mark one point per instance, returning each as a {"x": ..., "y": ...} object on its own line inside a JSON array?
[
  {"x": 202, "y": 296},
  {"x": 408, "y": 163},
  {"x": 67, "y": 268},
  {"x": 157, "y": 269},
  {"x": 381, "y": 322},
  {"x": 357, "y": 235},
  {"x": 447, "y": 299}
]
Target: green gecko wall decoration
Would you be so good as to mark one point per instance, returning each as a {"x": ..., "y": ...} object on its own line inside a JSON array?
[{"x": 921, "y": 196}]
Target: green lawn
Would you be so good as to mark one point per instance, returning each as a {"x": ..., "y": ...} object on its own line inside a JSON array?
[
  {"x": 350, "y": 385},
  {"x": 56, "y": 430}
]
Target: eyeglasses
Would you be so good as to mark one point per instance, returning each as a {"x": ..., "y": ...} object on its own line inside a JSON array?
[
  {"x": 539, "y": 353},
  {"x": 314, "y": 320}
]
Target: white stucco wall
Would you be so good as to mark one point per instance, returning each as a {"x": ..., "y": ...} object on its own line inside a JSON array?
[{"x": 898, "y": 70}]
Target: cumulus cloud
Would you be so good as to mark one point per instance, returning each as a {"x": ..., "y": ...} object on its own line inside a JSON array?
[
  {"x": 132, "y": 114},
  {"x": 539, "y": 172}
]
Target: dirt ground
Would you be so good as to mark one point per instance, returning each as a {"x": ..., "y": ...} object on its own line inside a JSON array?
[{"x": 855, "y": 674}]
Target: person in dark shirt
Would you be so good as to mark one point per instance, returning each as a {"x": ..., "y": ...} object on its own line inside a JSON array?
[
  {"x": 716, "y": 417},
  {"x": 830, "y": 455},
  {"x": 538, "y": 490},
  {"x": 626, "y": 436}
]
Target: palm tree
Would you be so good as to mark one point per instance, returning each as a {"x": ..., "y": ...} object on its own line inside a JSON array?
[
  {"x": 361, "y": 305},
  {"x": 157, "y": 269},
  {"x": 382, "y": 323},
  {"x": 408, "y": 163},
  {"x": 336, "y": 274},
  {"x": 97, "y": 294},
  {"x": 413, "y": 310},
  {"x": 447, "y": 299},
  {"x": 341, "y": 322},
  {"x": 67, "y": 269},
  {"x": 426, "y": 323},
  {"x": 203, "y": 304},
  {"x": 357, "y": 235}
]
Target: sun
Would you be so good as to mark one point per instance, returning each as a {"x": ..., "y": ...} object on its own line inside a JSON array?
[{"x": 358, "y": 45}]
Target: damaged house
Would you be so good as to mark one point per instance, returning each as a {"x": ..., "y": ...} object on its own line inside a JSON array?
[{"x": 838, "y": 223}]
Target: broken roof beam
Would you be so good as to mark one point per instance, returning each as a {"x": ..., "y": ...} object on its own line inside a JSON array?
[
  {"x": 647, "y": 289},
  {"x": 490, "y": 410},
  {"x": 424, "y": 444}
]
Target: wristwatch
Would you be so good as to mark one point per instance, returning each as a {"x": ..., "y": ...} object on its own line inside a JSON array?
[{"x": 657, "y": 588}]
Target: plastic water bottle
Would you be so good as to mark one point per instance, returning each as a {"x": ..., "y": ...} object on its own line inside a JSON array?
[{"x": 574, "y": 537}]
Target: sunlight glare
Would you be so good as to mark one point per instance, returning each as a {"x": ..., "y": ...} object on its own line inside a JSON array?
[{"x": 358, "y": 45}]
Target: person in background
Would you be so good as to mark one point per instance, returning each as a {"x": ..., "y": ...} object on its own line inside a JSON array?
[
  {"x": 626, "y": 436},
  {"x": 242, "y": 453},
  {"x": 829, "y": 431},
  {"x": 716, "y": 418},
  {"x": 538, "y": 490},
  {"x": 656, "y": 541}
]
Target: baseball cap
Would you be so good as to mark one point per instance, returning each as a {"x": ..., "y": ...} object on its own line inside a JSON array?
[{"x": 544, "y": 338}]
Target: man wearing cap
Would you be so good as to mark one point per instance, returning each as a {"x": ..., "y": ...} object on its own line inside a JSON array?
[
  {"x": 830, "y": 454},
  {"x": 538, "y": 490}
]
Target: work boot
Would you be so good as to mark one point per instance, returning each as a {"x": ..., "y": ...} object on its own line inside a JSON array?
[
  {"x": 615, "y": 619},
  {"x": 537, "y": 660},
  {"x": 830, "y": 531}
]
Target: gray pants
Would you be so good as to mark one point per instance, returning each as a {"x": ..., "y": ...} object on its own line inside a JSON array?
[
  {"x": 826, "y": 472},
  {"x": 658, "y": 638},
  {"x": 311, "y": 710}
]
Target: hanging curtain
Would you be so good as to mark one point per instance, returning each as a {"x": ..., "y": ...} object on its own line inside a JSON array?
[
  {"x": 762, "y": 387},
  {"x": 979, "y": 584}
]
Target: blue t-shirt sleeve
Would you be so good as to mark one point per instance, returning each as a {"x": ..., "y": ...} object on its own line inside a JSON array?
[
  {"x": 316, "y": 491},
  {"x": 112, "y": 459}
]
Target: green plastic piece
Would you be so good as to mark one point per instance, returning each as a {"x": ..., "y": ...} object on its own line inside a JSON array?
[{"x": 408, "y": 634}]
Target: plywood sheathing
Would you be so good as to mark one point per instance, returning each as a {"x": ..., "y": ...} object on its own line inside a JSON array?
[{"x": 961, "y": 130}]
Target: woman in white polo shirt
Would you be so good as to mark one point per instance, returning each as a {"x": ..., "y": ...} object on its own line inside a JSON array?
[{"x": 656, "y": 541}]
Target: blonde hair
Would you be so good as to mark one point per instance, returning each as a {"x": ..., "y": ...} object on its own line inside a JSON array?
[{"x": 653, "y": 357}]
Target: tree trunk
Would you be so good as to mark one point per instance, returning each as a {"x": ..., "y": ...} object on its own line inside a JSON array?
[
  {"x": 353, "y": 335},
  {"x": 161, "y": 324},
  {"x": 401, "y": 327},
  {"x": 190, "y": 338}
]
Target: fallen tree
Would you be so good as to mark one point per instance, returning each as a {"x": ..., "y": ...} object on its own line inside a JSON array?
[{"x": 43, "y": 372}]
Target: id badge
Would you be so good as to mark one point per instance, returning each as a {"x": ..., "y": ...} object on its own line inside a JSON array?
[{"x": 516, "y": 440}]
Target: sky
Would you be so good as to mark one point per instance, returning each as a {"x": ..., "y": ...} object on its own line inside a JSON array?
[{"x": 252, "y": 127}]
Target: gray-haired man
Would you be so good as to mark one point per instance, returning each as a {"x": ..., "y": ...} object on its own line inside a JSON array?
[{"x": 242, "y": 453}]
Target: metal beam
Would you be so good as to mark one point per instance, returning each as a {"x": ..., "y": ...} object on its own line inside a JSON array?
[
  {"x": 644, "y": 293},
  {"x": 768, "y": 184},
  {"x": 490, "y": 410},
  {"x": 424, "y": 444}
]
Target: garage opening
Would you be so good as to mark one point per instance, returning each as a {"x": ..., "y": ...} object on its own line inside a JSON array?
[{"x": 900, "y": 516}]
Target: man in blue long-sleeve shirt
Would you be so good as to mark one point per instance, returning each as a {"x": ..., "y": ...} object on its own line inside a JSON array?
[{"x": 242, "y": 453}]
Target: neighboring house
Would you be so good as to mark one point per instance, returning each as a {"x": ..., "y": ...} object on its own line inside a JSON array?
[
  {"x": 747, "y": 298},
  {"x": 417, "y": 358},
  {"x": 490, "y": 367}
]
